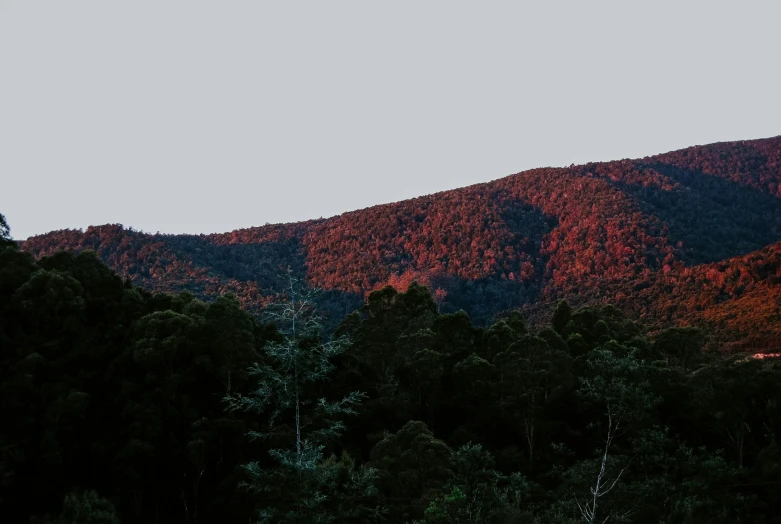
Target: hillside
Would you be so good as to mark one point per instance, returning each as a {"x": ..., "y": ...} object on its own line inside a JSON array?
[{"x": 689, "y": 237}]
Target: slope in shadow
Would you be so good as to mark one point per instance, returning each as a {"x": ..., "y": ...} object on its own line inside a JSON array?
[
  {"x": 484, "y": 298},
  {"x": 262, "y": 262},
  {"x": 714, "y": 218}
]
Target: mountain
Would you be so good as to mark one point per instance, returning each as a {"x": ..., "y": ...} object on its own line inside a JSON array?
[{"x": 687, "y": 237}]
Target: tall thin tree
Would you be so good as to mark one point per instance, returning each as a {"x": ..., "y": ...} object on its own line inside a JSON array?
[{"x": 301, "y": 425}]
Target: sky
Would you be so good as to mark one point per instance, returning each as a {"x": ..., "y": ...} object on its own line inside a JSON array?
[{"x": 200, "y": 117}]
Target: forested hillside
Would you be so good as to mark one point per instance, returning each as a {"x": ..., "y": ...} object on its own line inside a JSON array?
[
  {"x": 688, "y": 237},
  {"x": 121, "y": 405}
]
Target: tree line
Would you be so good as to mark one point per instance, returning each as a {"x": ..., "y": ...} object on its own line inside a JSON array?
[
  {"x": 123, "y": 405},
  {"x": 687, "y": 237}
]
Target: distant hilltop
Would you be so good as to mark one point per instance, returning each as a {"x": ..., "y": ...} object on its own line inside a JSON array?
[{"x": 686, "y": 237}]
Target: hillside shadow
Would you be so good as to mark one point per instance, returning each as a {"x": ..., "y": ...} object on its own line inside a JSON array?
[
  {"x": 484, "y": 298},
  {"x": 714, "y": 218},
  {"x": 264, "y": 263},
  {"x": 529, "y": 225}
]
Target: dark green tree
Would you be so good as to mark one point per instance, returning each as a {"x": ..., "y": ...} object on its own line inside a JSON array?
[
  {"x": 531, "y": 375},
  {"x": 477, "y": 493},
  {"x": 683, "y": 345},
  {"x": 736, "y": 398},
  {"x": 87, "y": 508},
  {"x": 413, "y": 468},
  {"x": 615, "y": 385},
  {"x": 561, "y": 316},
  {"x": 299, "y": 484},
  {"x": 5, "y": 232}
]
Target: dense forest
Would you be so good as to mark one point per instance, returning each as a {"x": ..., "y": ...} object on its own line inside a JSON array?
[
  {"x": 690, "y": 237},
  {"x": 121, "y": 404}
]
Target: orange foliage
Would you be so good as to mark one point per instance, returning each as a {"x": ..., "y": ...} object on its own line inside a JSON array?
[{"x": 683, "y": 237}]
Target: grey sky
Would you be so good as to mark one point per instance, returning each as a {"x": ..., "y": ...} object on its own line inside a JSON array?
[{"x": 192, "y": 116}]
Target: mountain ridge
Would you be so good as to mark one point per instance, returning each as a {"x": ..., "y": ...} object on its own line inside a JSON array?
[{"x": 700, "y": 226}]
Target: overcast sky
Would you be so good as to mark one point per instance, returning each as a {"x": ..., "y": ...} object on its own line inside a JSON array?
[{"x": 193, "y": 116}]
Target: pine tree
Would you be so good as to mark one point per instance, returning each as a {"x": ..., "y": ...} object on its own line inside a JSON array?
[
  {"x": 300, "y": 485},
  {"x": 5, "y": 233},
  {"x": 5, "y": 230}
]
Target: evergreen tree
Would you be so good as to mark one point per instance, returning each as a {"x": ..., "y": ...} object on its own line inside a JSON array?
[
  {"x": 682, "y": 344},
  {"x": 413, "y": 467},
  {"x": 87, "y": 508},
  {"x": 477, "y": 493},
  {"x": 531, "y": 375},
  {"x": 298, "y": 484},
  {"x": 615, "y": 385},
  {"x": 561, "y": 316},
  {"x": 5, "y": 230}
]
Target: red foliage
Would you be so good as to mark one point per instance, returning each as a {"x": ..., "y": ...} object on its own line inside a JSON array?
[{"x": 676, "y": 238}]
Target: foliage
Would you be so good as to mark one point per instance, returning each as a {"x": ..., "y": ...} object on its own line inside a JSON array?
[
  {"x": 5, "y": 231},
  {"x": 689, "y": 237},
  {"x": 87, "y": 508},
  {"x": 478, "y": 493},
  {"x": 300, "y": 483},
  {"x": 109, "y": 392}
]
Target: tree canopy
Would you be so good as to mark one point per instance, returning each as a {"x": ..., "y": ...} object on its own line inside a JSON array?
[{"x": 123, "y": 405}]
